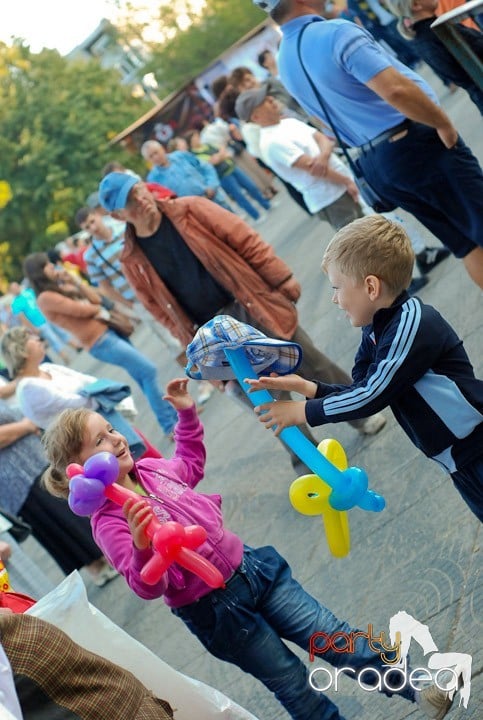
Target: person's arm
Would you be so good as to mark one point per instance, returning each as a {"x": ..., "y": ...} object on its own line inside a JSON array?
[
  {"x": 54, "y": 303},
  {"x": 8, "y": 389},
  {"x": 411, "y": 101},
  {"x": 289, "y": 383},
  {"x": 89, "y": 292},
  {"x": 112, "y": 535},
  {"x": 312, "y": 166},
  {"x": 110, "y": 291},
  {"x": 190, "y": 454},
  {"x": 41, "y": 400},
  {"x": 320, "y": 164},
  {"x": 11, "y": 432},
  {"x": 409, "y": 347}
]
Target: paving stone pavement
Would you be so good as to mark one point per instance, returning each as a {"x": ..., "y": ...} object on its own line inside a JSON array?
[{"x": 422, "y": 554}]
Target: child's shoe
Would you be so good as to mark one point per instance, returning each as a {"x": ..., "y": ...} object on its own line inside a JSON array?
[{"x": 434, "y": 702}]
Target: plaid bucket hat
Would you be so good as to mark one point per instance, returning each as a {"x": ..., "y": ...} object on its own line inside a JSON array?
[{"x": 207, "y": 359}]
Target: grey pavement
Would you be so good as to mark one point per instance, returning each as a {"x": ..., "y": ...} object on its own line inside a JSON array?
[{"x": 421, "y": 554}]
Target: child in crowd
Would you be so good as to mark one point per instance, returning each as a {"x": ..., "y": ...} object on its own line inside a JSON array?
[
  {"x": 410, "y": 359},
  {"x": 261, "y": 603}
]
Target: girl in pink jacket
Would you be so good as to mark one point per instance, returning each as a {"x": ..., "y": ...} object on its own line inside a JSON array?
[{"x": 261, "y": 604}]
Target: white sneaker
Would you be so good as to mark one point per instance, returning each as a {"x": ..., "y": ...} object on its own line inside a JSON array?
[
  {"x": 261, "y": 218},
  {"x": 434, "y": 702},
  {"x": 104, "y": 576},
  {"x": 373, "y": 424},
  {"x": 205, "y": 391}
]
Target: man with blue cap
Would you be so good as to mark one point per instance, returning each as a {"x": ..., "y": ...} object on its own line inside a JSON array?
[{"x": 409, "y": 151}]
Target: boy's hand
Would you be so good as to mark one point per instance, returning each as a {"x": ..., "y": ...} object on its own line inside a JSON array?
[
  {"x": 281, "y": 415},
  {"x": 291, "y": 383},
  {"x": 177, "y": 394},
  {"x": 138, "y": 515}
]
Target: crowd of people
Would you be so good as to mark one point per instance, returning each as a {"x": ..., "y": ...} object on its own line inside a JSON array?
[{"x": 183, "y": 246}]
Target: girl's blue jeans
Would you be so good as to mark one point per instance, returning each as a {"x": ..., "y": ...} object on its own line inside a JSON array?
[
  {"x": 247, "y": 622},
  {"x": 111, "y": 348}
]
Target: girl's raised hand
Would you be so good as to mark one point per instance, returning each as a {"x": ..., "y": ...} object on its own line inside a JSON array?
[
  {"x": 177, "y": 394},
  {"x": 138, "y": 514}
]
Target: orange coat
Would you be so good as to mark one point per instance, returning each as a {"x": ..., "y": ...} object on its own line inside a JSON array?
[{"x": 232, "y": 252}]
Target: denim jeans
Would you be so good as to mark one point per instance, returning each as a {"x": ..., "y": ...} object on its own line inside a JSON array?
[
  {"x": 234, "y": 183},
  {"x": 111, "y": 348},
  {"x": 245, "y": 623}
]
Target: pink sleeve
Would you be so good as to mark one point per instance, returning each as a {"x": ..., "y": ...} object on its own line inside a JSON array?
[
  {"x": 112, "y": 535},
  {"x": 190, "y": 454}
]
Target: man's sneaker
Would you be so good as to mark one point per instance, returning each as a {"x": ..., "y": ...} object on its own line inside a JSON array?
[
  {"x": 434, "y": 702},
  {"x": 417, "y": 284},
  {"x": 429, "y": 258},
  {"x": 373, "y": 425},
  {"x": 205, "y": 391}
]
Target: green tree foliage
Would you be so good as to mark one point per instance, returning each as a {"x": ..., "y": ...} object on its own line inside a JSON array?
[
  {"x": 56, "y": 118},
  {"x": 186, "y": 52}
]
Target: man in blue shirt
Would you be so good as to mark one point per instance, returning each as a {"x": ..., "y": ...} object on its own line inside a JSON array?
[
  {"x": 410, "y": 152},
  {"x": 183, "y": 173}
]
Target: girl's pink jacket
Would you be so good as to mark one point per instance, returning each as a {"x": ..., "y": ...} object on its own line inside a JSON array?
[{"x": 169, "y": 485}]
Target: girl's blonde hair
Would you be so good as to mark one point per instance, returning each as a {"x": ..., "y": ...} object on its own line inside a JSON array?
[
  {"x": 63, "y": 442},
  {"x": 372, "y": 245}
]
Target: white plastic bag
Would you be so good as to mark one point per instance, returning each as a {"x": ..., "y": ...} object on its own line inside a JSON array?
[{"x": 68, "y": 608}]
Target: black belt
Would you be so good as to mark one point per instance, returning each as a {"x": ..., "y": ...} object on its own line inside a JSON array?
[{"x": 386, "y": 135}]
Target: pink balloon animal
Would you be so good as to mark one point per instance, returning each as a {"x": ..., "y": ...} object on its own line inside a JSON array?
[{"x": 172, "y": 542}]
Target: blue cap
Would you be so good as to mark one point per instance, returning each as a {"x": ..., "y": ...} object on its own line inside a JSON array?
[
  {"x": 207, "y": 359},
  {"x": 267, "y": 5},
  {"x": 114, "y": 189}
]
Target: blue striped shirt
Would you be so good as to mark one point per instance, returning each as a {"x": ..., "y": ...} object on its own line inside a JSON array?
[{"x": 108, "y": 267}]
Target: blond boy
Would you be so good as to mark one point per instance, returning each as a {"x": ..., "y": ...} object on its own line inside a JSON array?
[{"x": 410, "y": 359}]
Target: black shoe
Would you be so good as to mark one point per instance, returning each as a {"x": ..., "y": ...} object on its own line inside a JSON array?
[
  {"x": 416, "y": 284},
  {"x": 429, "y": 258}
]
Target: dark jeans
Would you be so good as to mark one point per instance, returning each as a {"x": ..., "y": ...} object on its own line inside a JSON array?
[
  {"x": 469, "y": 483},
  {"x": 442, "y": 188},
  {"x": 246, "y": 623}
]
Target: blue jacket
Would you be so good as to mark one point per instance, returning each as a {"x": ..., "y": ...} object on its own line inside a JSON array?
[{"x": 411, "y": 360}]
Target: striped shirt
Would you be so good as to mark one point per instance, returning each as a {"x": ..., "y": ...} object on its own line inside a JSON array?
[{"x": 103, "y": 262}]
